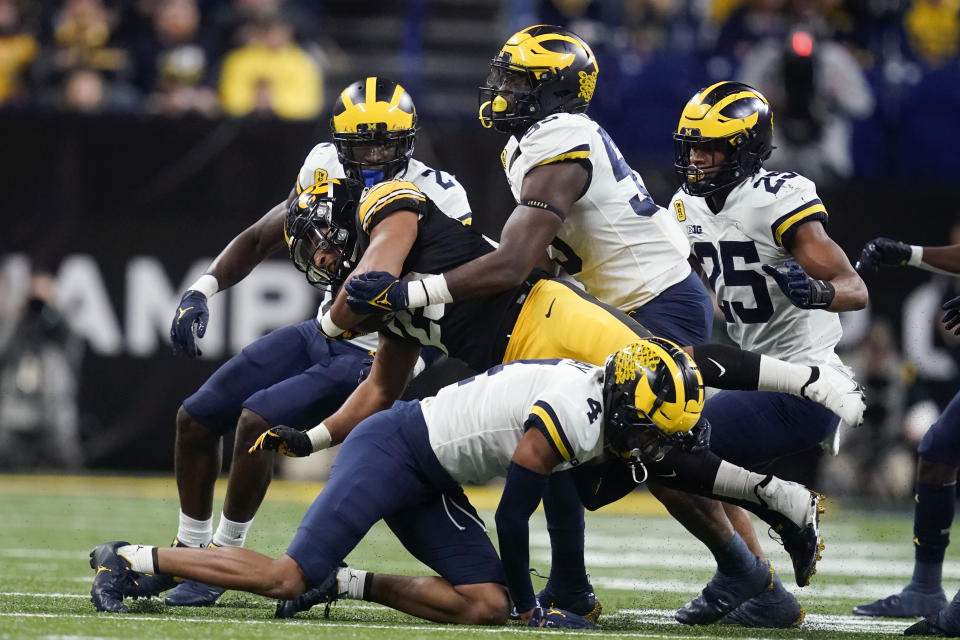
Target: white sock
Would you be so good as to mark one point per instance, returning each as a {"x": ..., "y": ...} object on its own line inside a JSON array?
[
  {"x": 352, "y": 583},
  {"x": 736, "y": 482},
  {"x": 139, "y": 556},
  {"x": 785, "y": 377},
  {"x": 230, "y": 533},
  {"x": 194, "y": 533}
]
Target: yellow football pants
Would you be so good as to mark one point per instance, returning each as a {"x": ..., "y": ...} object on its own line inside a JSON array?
[{"x": 558, "y": 320}]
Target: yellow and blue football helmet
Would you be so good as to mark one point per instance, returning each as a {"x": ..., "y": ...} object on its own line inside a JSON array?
[
  {"x": 652, "y": 396},
  {"x": 541, "y": 70},
  {"x": 323, "y": 217},
  {"x": 730, "y": 117},
  {"x": 374, "y": 125}
]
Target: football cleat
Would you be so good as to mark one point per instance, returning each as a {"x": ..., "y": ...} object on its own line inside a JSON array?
[
  {"x": 558, "y": 618},
  {"x": 838, "y": 392},
  {"x": 800, "y": 530},
  {"x": 906, "y": 604},
  {"x": 147, "y": 585},
  {"x": 930, "y": 626},
  {"x": 774, "y": 609},
  {"x": 328, "y": 591},
  {"x": 191, "y": 593},
  {"x": 112, "y": 579},
  {"x": 724, "y": 593},
  {"x": 583, "y": 602}
]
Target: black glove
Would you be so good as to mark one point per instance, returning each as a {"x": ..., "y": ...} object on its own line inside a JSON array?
[
  {"x": 951, "y": 318},
  {"x": 189, "y": 323},
  {"x": 802, "y": 290},
  {"x": 883, "y": 251},
  {"x": 285, "y": 440}
]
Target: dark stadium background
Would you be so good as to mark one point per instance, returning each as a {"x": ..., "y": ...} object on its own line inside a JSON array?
[{"x": 115, "y": 186}]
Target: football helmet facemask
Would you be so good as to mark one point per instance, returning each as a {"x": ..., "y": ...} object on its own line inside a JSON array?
[
  {"x": 541, "y": 70},
  {"x": 374, "y": 124},
  {"x": 322, "y": 218},
  {"x": 653, "y": 396},
  {"x": 728, "y": 117}
]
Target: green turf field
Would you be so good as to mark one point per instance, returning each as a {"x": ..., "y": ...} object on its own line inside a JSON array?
[{"x": 643, "y": 567}]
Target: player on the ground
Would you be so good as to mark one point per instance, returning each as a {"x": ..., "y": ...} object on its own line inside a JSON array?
[
  {"x": 578, "y": 198},
  {"x": 745, "y": 223},
  {"x": 542, "y": 318},
  {"x": 293, "y": 375},
  {"x": 406, "y": 465},
  {"x": 939, "y": 453}
]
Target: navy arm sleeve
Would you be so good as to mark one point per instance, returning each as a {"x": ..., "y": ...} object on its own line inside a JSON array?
[{"x": 521, "y": 495}]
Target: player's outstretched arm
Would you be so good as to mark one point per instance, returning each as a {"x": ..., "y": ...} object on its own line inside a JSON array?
[
  {"x": 892, "y": 253},
  {"x": 822, "y": 276},
  {"x": 238, "y": 259},
  {"x": 546, "y": 196},
  {"x": 530, "y": 467},
  {"x": 388, "y": 377},
  {"x": 390, "y": 244}
]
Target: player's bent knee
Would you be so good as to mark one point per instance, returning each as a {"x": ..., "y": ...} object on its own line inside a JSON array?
[
  {"x": 487, "y": 604},
  {"x": 190, "y": 431},
  {"x": 250, "y": 426}
]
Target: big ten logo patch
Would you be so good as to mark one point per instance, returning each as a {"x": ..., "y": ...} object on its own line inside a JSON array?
[
  {"x": 694, "y": 228},
  {"x": 681, "y": 214}
]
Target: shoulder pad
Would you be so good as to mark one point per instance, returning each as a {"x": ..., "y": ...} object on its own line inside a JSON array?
[{"x": 387, "y": 197}]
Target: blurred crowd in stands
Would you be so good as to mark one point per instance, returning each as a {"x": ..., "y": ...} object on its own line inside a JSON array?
[
  {"x": 884, "y": 71},
  {"x": 162, "y": 56}
]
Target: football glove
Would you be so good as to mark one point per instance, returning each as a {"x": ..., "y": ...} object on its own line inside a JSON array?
[
  {"x": 951, "y": 318},
  {"x": 802, "y": 290},
  {"x": 550, "y": 617},
  {"x": 285, "y": 440},
  {"x": 376, "y": 292},
  {"x": 189, "y": 324},
  {"x": 883, "y": 251}
]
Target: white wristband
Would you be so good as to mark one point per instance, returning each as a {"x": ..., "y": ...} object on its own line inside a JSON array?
[
  {"x": 916, "y": 256},
  {"x": 205, "y": 284},
  {"x": 431, "y": 290},
  {"x": 329, "y": 327},
  {"x": 320, "y": 437}
]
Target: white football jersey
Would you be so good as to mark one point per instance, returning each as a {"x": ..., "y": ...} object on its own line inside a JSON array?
[
  {"x": 758, "y": 217},
  {"x": 441, "y": 187},
  {"x": 476, "y": 424},
  {"x": 616, "y": 240}
]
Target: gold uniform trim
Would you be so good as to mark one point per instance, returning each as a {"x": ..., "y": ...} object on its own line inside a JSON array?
[
  {"x": 792, "y": 220},
  {"x": 383, "y": 194},
  {"x": 541, "y": 413},
  {"x": 572, "y": 155}
]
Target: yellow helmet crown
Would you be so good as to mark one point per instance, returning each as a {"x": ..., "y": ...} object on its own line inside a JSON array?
[
  {"x": 374, "y": 112},
  {"x": 730, "y": 117},
  {"x": 651, "y": 383},
  {"x": 561, "y": 72}
]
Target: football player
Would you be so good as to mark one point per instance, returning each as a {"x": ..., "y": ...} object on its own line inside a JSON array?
[
  {"x": 579, "y": 200},
  {"x": 406, "y": 465},
  {"x": 759, "y": 238},
  {"x": 541, "y": 318},
  {"x": 293, "y": 375},
  {"x": 939, "y": 453}
]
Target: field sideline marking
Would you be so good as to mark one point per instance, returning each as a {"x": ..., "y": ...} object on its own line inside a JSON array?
[{"x": 344, "y": 625}]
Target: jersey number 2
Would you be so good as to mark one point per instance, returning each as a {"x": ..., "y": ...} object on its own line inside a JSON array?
[{"x": 733, "y": 277}]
